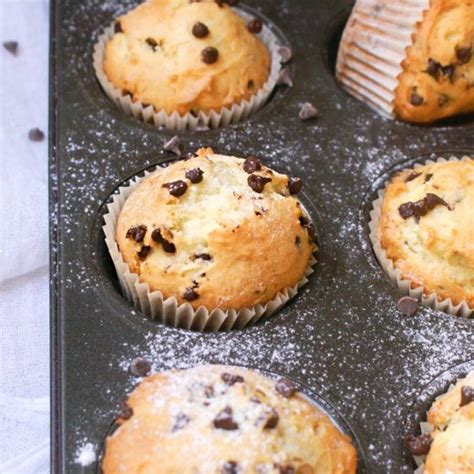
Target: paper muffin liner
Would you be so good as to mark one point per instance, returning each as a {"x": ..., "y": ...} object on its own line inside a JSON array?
[
  {"x": 373, "y": 47},
  {"x": 175, "y": 121},
  {"x": 168, "y": 311},
  {"x": 395, "y": 275},
  {"x": 427, "y": 428}
]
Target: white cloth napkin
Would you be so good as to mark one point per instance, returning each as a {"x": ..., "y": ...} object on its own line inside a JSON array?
[{"x": 24, "y": 299}]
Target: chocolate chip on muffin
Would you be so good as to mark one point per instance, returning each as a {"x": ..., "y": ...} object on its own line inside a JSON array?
[
  {"x": 143, "y": 252},
  {"x": 252, "y": 164},
  {"x": 176, "y": 188},
  {"x": 255, "y": 26},
  {"x": 136, "y": 233},
  {"x": 194, "y": 175},
  {"x": 463, "y": 54},
  {"x": 231, "y": 379},
  {"x": 295, "y": 185},
  {"x": 209, "y": 55},
  {"x": 285, "y": 387},
  {"x": 224, "y": 420},
  {"x": 200, "y": 30},
  {"x": 140, "y": 367},
  {"x": 467, "y": 395},
  {"x": 190, "y": 294},
  {"x": 257, "y": 183}
]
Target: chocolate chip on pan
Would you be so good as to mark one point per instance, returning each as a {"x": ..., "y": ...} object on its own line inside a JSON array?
[
  {"x": 36, "y": 135},
  {"x": 308, "y": 111},
  {"x": 200, "y": 30},
  {"x": 418, "y": 445},
  {"x": 125, "y": 411},
  {"x": 407, "y": 305},
  {"x": 140, "y": 367},
  {"x": 11, "y": 47},
  {"x": 257, "y": 183},
  {"x": 224, "y": 420},
  {"x": 255, "y": 26},
  {"x": 252, "y": 164},
  {"x": 176, "y": 188},
  {"x": 173, "y": 145}
]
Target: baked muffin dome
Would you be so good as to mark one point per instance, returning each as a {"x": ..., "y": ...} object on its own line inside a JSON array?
[
  {"x": 216, "y": 231},
  {"x": 224, "y": 420},
  {"x": 186, "y": 56},
  {"x": 452, "y": 418},
  {"x": 410, "y": 61},
  {"x": 427, "y": 226}
]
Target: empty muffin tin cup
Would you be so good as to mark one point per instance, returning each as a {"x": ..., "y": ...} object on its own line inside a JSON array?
[
  {"x": 168, "y": 311},
  {"x": 406, "y": 285},
  {"x": 175, "y": 121}
]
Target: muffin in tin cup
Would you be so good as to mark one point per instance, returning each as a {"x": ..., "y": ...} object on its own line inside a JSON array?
[
  {"x": 185, "y": 65},
  {"x": 421, "y": 231},
  {"x": 193, "y": 420},
  {"x": 210, "y": 242}
]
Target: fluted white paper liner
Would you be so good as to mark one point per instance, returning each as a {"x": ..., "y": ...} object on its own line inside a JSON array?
[
  {"x": 426, "y": 428},
  {"x": 212, "y": 119},
  {"x": 431, "y": 300},
  {"x": 373, "y": 47},
  {"x": 168, "y": 311}
]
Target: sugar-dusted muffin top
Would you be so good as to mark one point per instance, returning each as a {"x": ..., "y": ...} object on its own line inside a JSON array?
[
  {"x": 427, "y": 228},
  {"x": 438, "y": 72},
  {"x": 216, "y": 231},
  {"x": 452, "y": 416},
  {"x": 186, "y": 56},
  {"x": 224, "y": 420}
]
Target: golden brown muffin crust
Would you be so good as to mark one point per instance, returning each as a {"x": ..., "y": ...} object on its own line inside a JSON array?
[
  {"x": 438, "y": 72},
  {"x": 235, "y": 247},
  {"x": 173, "y": 428},
  {"x": 155, "y": 57},
  {"x": 435, "y": 250}
]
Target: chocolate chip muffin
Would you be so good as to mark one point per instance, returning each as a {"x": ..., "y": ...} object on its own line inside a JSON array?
[
  {"x": 216, "y": 231},
  {"x": 414, "y": 62},
  {"x": 449, "y": 447},
  {"x": 182, "y": 56},
  {"x": 224, "y": 420},
  {"x": 426, "y": 228}
]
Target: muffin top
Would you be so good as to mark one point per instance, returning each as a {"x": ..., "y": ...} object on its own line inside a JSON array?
[
  {"x": 437, "y": 80},
  {"x": 216, "y": 231},
  {"x": 224, "y": 420},
  {"x": 452, "y": 416},
  {"x": 186, "y": 56},
  {"x": 427, "y": 227}
]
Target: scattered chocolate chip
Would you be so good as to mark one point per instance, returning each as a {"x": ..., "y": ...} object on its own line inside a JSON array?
[
  {"x": 36, "y": 135},
  {"x": 467, "y": 395},
  {"x": 209, "y": 55},
  {"x": 295, "y": 185},
  {"x": 231, "y": 379},
  {"x": 190, "y": 294},
  {"x": 463, "y": 54},
  {"x": 200, "y": 30},
  {"x": 272, "y": 420},
  {"x": 412, "y": 176},
  {"x": 194, "y": 175},
  {"x": 143, "y": 252},
  {"x": 416, "y": 99},
  {"x": 156, "y": 236},
  {"x": 118, "y": 27},
  {"x": 284, "y": 78},
  {"x": 180, "y": 422},
  {"x": 173, "y": 145},
  {"x": 202, "y": 256},
  {"x": 252, "y": 164},
  {"x": 255, "y": 26},
  {"x": 285, "y": 54},
  {"x": 250, "y": 84},
  {"x": 257, "y": 183},
  {"x": 428, "y": 177},
  {"x": 140, "y": 367},
  {"x": 421, "y": 207},
  {"x": 225, "y": 421},
  {"x": 152, "y": 43},
  {"x": 11, "y": 47},
  {"x": 308, "y": 111},
  {"x": 433, "y": 67},
  {"x": 407, "y": 305},
  {"x": 230, "y": 467},
  {"x": 125, "y": 411},
  {"x": 136, "y": 233},
  {"x": 418, "y": 445},
  {"x": 176, "y": 188},
  {"x": 448, "y": 70},
  {"x": 285, "y": 387},
  {"x": 168, "y": 246}
]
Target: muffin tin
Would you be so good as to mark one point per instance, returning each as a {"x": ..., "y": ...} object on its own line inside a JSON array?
[{"x": 341, "y": 336}]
